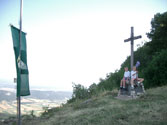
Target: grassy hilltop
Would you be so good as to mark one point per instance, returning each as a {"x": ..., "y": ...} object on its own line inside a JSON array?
[{"x": 149, "y": 109}]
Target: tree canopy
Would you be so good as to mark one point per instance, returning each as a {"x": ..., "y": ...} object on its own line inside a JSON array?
[{"x": 158, "y": 33}]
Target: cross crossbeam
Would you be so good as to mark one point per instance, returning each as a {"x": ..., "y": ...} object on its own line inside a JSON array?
[{"x": 134, "y": 38}]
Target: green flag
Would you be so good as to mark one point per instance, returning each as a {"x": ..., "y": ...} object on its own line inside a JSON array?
[{"x": 21, "y": 62}]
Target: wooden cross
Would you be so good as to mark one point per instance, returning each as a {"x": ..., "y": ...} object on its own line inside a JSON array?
[{"x": 132, "y": 38}]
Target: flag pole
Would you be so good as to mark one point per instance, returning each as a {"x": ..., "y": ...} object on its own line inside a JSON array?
[{"x": 20, "y": 40}]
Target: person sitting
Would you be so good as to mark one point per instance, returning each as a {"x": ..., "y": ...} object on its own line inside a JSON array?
[
  {"x": 134, "y": 76},
  {"x": 125, "y": 77}
]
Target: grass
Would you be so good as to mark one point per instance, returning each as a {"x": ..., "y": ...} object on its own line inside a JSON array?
[{"x": 149, "y": 109}]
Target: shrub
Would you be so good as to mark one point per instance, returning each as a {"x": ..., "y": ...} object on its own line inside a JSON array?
[
  {"x": 93, "y": 89},
  {"x": 79, "y": 92},
  {"x": 112, "y": 81}
]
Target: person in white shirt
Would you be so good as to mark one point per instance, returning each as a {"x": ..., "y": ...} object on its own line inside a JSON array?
[
  {"x": 126, "y": 77},
  {"x": 134, "y": 76}
]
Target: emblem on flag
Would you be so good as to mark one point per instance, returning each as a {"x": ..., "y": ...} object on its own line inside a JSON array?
[{"x": 21, "y": 64}]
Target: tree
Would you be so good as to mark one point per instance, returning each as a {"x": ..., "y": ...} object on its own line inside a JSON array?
[
  {"x": 156, "y": 72},
  {"x": 158, "y": 33},
  {"x": 80, "y": 92}
]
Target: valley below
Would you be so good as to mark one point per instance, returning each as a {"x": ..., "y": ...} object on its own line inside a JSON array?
[{"x": 36, "y": 103}]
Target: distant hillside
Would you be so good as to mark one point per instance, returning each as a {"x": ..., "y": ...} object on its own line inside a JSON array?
[
  {"x": 9, "y": 95},
  {"x": 35, "y": 102},
  {"x": 149, "y": 109},
  {"x": 50, "y": 95}
]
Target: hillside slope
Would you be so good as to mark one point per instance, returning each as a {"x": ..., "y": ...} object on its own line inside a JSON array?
[{"x": 149, "y": 109}]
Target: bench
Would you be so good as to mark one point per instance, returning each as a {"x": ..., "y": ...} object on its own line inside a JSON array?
[{"x": 138, "y": 89}]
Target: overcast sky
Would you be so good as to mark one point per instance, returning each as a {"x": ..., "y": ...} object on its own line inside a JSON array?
[{"x": 76, "y": 41}]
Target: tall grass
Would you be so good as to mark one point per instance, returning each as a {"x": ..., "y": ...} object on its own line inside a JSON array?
[{"x": 149, "y": 109}]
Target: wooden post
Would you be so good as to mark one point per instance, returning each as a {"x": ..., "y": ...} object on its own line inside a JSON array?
[
  {"x": 132, "y": 53},
  {"x": 132, "y": 38}
]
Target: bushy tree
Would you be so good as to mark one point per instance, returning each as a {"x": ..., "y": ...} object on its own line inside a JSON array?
[
  {"x": 111, "y": 81},
  {"x": 158, "y": 33},
  {"x": 80, "y": 92},
  {"x": 93, "y": 89},
  {"x": 156, "y": 72}
]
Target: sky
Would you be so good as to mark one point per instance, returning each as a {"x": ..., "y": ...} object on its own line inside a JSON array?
[{"x": 73, "y": 41}]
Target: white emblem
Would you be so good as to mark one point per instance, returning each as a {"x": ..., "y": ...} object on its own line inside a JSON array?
[{"x": 21, "y": 64}]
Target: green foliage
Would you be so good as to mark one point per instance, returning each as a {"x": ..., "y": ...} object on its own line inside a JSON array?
[
  {"x": 156, "y": 72},
  {"x": 93, "y": 89},
  {"x": 50, "y": 112},
  {"x": 112, "y": 81},
  {"x": 32, "y": 113},
  {"x": 45, "y": 109},
  {"x": 158, "y": 34},
  {"x": 79, "y": 92},
  {"x": 142, "y": 55}
]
